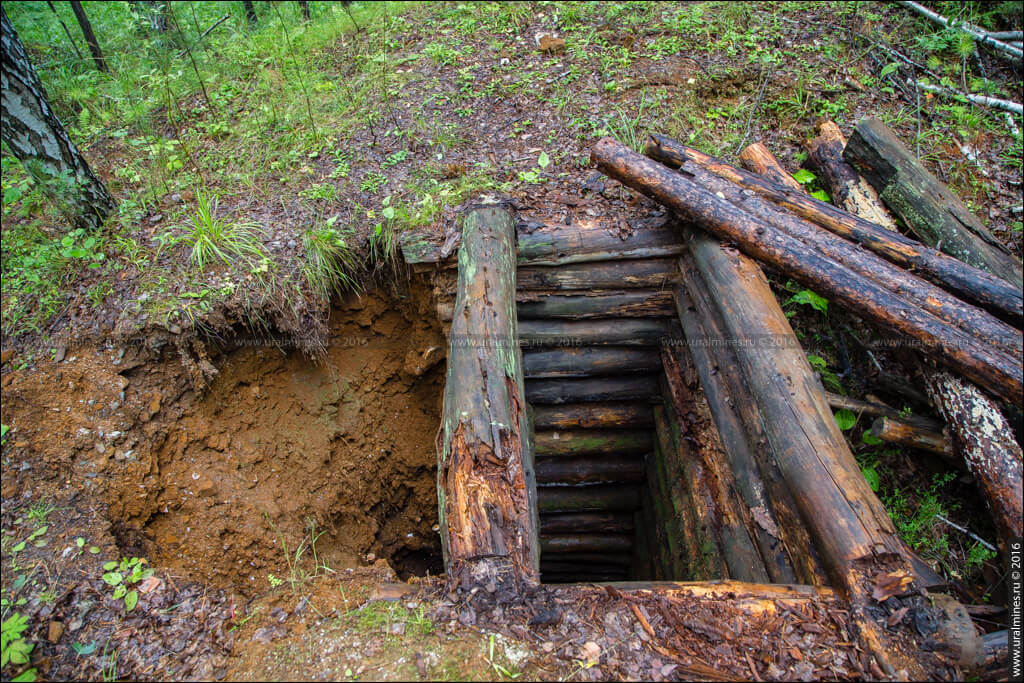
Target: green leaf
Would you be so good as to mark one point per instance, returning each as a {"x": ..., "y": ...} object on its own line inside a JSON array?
[
  {"x": 389, "y": 212},
  {"x": 84, "y": 650},
  {"x": 131, "y": 600},
  {"x": 871, "y": 476},
  {"x": 26, "y": 676},
  {"x": 109, "y": 566},
  {"x": 809, "y": 298},
  {"x": 80, "y": 542},
  {"x": 845, "y": 419},
  {"x": 870, "y": 439},
  {"x": 543, "y": 160},
  {"x": 120, "y": 591},
  {"x": 94, "y": 550},
  {"x": 889, "y": 68},
  {"x": 804, "y": 177},
  {"x": 821, "y": 195},
  {"x": 113, "y": 578},
  {"x": 18, "y": 548}
]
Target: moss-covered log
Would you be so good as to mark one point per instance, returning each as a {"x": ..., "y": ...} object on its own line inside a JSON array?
[
  {"x": 593, "y": 415},
  {"x": 581, "y": 442}
]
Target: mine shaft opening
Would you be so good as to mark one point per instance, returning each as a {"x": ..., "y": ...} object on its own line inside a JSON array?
[{"x": 285, "y": 455}]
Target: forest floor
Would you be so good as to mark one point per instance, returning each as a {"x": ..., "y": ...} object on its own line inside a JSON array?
[{"x": 260, "y": 428}]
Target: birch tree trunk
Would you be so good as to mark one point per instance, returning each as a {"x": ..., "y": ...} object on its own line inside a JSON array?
[{"x": 37, "y": 138}]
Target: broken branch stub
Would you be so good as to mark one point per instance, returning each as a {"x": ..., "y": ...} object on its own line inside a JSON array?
[{"x": 486, "y": 488}]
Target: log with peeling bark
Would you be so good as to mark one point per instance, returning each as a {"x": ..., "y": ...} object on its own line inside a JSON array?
[
  {"x": 947, "y": 344},
  {"x": 605, "y": 497},
  {"x": 924, "y": 203},
  {"x": 848, "y": 190},
  {"x": 580, "y": 442},
  {"x": 591, "y": 415},
  {"x": 639, "y": 303},
  {"x": 757, "y": 159},
  {"x": 611, "y": 522},
  {"x": 487, "y": 505},
  {"x": 637, "y": 387},
  {"x": 971, "y": 283},
  {"x": 588, "y": 361},
  {"x": 980, "y": 433},
  {"x": 912, "y": 436},
  {"x": 981, "y": 325},
  {"x": 640, "y": 273}
]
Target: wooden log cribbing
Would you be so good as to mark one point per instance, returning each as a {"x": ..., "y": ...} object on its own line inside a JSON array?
[
  {"x": 486, "y": 489},
  {"x": 639, "y": 387},
  {"x": 603, "y": 332},
  {"x": 581, "y": 442},
  {"x": 586, "y": 543},
  {"x": 924, "y": 203},
  {"x": 601, "y": 498},
  {"x": 592, "y": 415},
  {"x": 973, "y": 284},
  {"x": 611, "y": 522},
  {"x": 650, "y": 273},
  {"x": 588, "y": 361},
  {"x": 591, "y": 469},
  {"x": 979, "y": 325},
  {"x": 913, "y": 436},
  {"x": 947, "y": 344},
  {"x": 676, "y": 538},
  {"x": 575, "y": 305}
]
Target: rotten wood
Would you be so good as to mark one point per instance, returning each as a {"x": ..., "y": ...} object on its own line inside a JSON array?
[
  {"x": 588, "y": 361},
  {"x": 973, "y": 284},
  {"x": 924, "y": 203},
  {"x": 638, "y": 387},
  {"x": 947, "y": 344},
  {"x": 592, "y": 415},
  {"x": 912, "y": 436},
  {"x": 580, "y": 442},
  {"x": 487, "y": 507},
  {"x": 758, "y": 159}
]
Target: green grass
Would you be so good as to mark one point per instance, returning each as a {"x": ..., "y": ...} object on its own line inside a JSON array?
[
  {"x": 213, "y": 238},
  {"x": 331, "y": 265}
]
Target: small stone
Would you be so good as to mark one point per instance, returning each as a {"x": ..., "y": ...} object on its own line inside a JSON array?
[
  {"x": 205, "y": 487},
  {"x": 55, "y": 632},
  {"x": 176, "y": 198},
  {"x": 292, "y": 244},
  {"x": 6, "y": 355},
  {"x": 100, "y": 448},
  {"x": 62, "y": 351},
  {"x": 398, "y": 628},
  {"x": 174, "y": 328},
  {"x": 156, "y": 219},
  {"x": 550, "y": 43}
]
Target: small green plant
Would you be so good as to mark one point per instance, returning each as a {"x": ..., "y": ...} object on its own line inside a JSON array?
[
  {"x": 372, "y": 182},
  {"x": 214, "y": 238},
  {"x": 808, "y": 298},
  {"x": 274, "y": 581},
  {"x": 828, "y": 378},
  {"x": 330, "y": 262},
  {"x": 498, "y": 668},
  {"x": 846, "y": 419},
  {"x": 3, "y": 433},
  {"x": 15, "y": 648},
  {"x": 324, "y": 191},
  {"x": 123, "y": 575},
  {"x": 396, "y": 158}
]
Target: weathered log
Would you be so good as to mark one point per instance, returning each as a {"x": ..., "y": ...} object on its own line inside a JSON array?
[
  {"x": 595, "y": 577},
  {"x": 553, "y": 565},
  {"x": 580, "y": 442},
  {"x": 1001, "y": 373},
  {"x": 676, "y": 534},
  {"x": 735, "y": 442},
  {"x": 588, "y": 498},
  {"x": 984, "y": 327},
  {"x": 735, "y": 523},
  {"x": 984, "y": 438},
  {"x": 592, "y": 415},
  {"x": 556, "y": 245},
  {"x": 971, "y": 283},
  {"x": 608, "y": 559},
  {"x": 587, "y": 522},
  {"x": 924, "y": 203},
  {"x": 686, "y": 469},
  {"x": 588, "y": 361},
  {"x": 605, "y": 332},
  {"x": 848, "y": 190},
  {"x": 788, "y": 526},
  {"x": 642, "y": 273},
  {"x": 586, "y": 543},
  {"x": 593, "y": 469},
  {"x": 757, "y": 159},
  {"x": 485, "y": 487},
  {"x": 561, "y": 391},
  {"x": 874, "y": 409},
  {"x": 912, "y": 436},
  {"x": 640, "y": 303},
  {"x": 997, "y": 649}
]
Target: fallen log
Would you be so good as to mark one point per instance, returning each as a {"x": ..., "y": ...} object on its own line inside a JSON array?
[
  {"x": 982, "y": 326},
  {"x": 640, "y": 303},
  {"x": 924, "y": 203},
  {"x": 971, "y": 283},
  {"x": 735, "y": 442},
  {"x": 485, "y": 486},
  {"x": 757, "y": 159},
  {"x": 637, "y": 387},
  {"x": 586, "y": 543},
  {"x": 643, "y": 273},
  {"x": 912, "y": 436},
  {"x": 980, "y": 433},
  {"x": 592, "y": 415},
  {"x": 848, "y": 190},
  {"x": 950, "y": 346},
  {"x": 588, "y": 361},
  {"x": 593, "y": 469},
  {"x": 605, "y": 332},
  {"x": 580, "y": 442},
  {"x": 980, "y": 35},
  {"x": 588, "y": 522},
  {"x": 872, "y": 409},
  {"x": 588, "y": 498}
]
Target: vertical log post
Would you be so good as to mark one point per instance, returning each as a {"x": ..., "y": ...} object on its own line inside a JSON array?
[{"x": 486, "y": 489}]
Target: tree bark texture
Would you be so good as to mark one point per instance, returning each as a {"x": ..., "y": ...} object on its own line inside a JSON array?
[
  {"x": 90, "y": 37},
  {"x": 487, "y": 505},
  {"x": 758, "y": 159},
  {"x": 250, "y": 11},
  {"x": 37, "y": 138}
]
